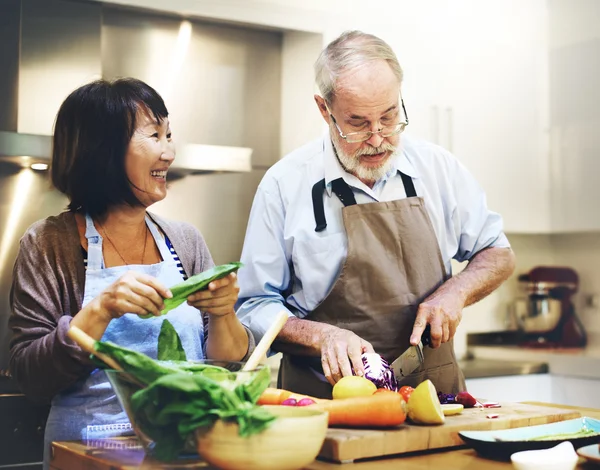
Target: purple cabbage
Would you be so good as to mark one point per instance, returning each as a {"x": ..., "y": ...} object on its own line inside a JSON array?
[
  {"x": 446, "y": 398},
  {"x": 378, "y": 371}
]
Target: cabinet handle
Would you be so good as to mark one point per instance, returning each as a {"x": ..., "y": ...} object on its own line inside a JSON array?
[
  {"x": 450, "y": 117},
  {"x": 435, "y": 124}
]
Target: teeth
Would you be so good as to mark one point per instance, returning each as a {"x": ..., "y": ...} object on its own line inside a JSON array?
[{"x": 160, "y": 174}]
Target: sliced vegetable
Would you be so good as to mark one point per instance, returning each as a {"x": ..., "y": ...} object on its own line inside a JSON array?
[
  {"x": 377, "y": 410},
  {"x": 378, "y": 371},
  {"x": 465, "y": 399}
]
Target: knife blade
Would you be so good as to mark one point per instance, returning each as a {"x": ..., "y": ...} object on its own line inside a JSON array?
[{"x": 412, "y": 358}]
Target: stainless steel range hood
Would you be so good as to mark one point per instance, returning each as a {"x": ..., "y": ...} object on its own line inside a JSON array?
[{"x": 50, "y": 47}]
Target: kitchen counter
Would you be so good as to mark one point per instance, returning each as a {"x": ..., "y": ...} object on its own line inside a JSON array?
[
  {"x": 573, "y": 362},
  {"x": 126, "y": 454},
  {"x": 477, "y": 368}
]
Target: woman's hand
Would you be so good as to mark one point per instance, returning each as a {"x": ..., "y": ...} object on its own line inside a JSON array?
[
  {"x": 219, "y": 299},
  {"x": 132, "y": 293}
]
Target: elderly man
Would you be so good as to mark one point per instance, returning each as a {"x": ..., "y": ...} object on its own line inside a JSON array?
[{"x": 353, "y": 234}]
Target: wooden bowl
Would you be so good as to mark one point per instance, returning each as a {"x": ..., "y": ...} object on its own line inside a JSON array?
[{"x": 292, "y": 441}]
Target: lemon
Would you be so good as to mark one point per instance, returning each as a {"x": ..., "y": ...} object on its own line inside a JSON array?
[
  {"x": 451, "y": 409},
  {"x": 353, "y": 386},
  {"x": 424, "y": 405}
]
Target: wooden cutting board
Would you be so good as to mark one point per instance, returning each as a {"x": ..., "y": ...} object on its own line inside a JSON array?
[{"x": 346, "y": 445}]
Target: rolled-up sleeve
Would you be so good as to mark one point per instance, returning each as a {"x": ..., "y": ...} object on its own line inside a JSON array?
[
  {"x": 475, "y": 225},
  {"x": 266, "y": 271}
]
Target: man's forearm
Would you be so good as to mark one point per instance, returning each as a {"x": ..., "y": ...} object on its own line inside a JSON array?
[
  {"x": 301, "y": 337},
  {"x": 485, "y": 272}
]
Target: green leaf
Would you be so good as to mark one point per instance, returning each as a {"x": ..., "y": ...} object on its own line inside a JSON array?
[
  {"x": 169, "y": 344},
  {"x": 196, "y": 283}
]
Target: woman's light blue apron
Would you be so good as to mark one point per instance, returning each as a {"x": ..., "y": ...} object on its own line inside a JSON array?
[{"x": 89, "y": 409}]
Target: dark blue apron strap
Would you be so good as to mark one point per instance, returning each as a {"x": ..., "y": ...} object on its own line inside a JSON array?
[
  {"x": 409, "y": 186},
  {"x": 341, "y": 190},
  {"x": 318, "y": 206},
  {"x": 345, "y": 194}
]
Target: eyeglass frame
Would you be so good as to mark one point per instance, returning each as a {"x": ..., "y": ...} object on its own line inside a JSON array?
[{"x": 401, "y": 126}]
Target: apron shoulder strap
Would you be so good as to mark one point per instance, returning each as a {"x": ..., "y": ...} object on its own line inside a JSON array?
[
  {"x": 318, "y": 206},
  {"x": 341, "y": 190},
  {"x": 345, "y": 194},
  {"x": 409, "y": 186}
]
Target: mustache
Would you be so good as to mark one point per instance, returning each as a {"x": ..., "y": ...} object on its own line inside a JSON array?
[{"x": 384, "y": 147}]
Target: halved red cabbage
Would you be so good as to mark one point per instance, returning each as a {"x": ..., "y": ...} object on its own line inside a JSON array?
[{"x": 378, "y": 371}]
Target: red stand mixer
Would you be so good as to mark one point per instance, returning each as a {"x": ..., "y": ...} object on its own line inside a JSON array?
[{"x": 547, "y": 314}]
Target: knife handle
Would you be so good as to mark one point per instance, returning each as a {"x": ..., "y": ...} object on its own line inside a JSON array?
[{"x": 426, "y": 336}]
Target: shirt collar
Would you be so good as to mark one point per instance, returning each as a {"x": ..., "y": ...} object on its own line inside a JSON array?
[{"x": 334, "y": 169}]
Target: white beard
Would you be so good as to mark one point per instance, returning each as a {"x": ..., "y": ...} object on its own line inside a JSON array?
[{"x": 351, "y": 163}]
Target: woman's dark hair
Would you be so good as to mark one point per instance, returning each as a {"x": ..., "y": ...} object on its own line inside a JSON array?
[{"x": 91, "y": 135}]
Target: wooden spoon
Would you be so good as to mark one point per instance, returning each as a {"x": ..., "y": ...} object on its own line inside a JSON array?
[{"x": 265, "y": 343}]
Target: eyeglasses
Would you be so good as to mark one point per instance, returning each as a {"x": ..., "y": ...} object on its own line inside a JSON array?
[{"x": 362, "y": 136}]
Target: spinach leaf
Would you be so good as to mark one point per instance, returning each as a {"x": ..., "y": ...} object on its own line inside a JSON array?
[
  {"x": 169, "y": 344},
  {"x": 197, "y": 282},
  {"x": 178, "y": 404},
  {"x": 180, "y": 397}
]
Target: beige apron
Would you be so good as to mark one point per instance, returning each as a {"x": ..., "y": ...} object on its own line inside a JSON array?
[{"x": 393, "y": 263}]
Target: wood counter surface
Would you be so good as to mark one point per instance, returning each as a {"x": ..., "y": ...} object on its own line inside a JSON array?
[{"x": 126, "y": 454}]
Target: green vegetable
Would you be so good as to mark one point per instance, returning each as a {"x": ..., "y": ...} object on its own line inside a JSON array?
[
  {"x": 177, "y": 397},
  {"x": 174, "y": 406},
  {"x": 169, "y": 344},
  {"x": 195, "y": 283}
]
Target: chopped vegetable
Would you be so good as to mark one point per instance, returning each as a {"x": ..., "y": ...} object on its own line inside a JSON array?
[
  {"x": 378, "y": 371},
  {"x": 377, "y": 410},
  {"x": 465, "y": 399},
  {"x": 446, "y": 398}
]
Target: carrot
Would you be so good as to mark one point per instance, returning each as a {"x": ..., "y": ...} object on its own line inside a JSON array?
[
  {"x": 379, "y": 410},
  {"x": 276, "y": 396}
]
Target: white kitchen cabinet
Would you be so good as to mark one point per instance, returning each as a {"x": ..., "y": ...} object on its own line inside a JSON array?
[
  {"x": 512, "y": 388},
  {"x": 574, "y": 63},
  {"x": 493, "y": 114},
  {"x": 575, "y": 391}
]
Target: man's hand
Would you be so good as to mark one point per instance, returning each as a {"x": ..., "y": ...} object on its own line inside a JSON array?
[
  {"x": 341, "y": 352},
  {"x": 443, "y": 313}
]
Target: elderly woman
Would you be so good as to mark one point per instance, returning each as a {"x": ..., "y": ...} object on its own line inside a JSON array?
[{"x": 107, "y": 260}]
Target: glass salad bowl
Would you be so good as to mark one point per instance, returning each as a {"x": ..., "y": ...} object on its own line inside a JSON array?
[{"x": 156, "y": 416}]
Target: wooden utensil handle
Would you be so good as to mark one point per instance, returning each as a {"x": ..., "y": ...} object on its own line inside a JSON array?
[
  {"x": 86, "y": 342},
  {"x": 265, "y": 343}
]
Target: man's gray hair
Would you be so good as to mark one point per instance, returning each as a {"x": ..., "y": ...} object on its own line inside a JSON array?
[{"x": 352, "y": 49}]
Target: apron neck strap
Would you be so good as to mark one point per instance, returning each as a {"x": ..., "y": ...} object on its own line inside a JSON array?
[{"x": 344, "y": 192}]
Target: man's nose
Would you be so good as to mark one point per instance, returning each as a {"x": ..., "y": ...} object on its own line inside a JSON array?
[{"x": 375, "y": 140}]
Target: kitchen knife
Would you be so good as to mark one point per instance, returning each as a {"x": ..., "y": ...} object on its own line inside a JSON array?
[{"x": 412, "y": 358}]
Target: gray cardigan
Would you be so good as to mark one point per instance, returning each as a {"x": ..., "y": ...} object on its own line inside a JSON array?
[{"x": 47, "y": 291}]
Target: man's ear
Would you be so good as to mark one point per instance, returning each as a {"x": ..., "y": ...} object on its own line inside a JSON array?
[{"x": 322, "y": 107}]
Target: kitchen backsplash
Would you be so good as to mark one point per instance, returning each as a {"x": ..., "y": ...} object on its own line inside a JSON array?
[{"x": 578, "y": 251}]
